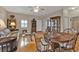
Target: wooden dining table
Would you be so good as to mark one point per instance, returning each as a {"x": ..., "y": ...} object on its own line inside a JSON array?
[
  {"x": 59, "y": 40},
  {"x": 61, "y": 37}
]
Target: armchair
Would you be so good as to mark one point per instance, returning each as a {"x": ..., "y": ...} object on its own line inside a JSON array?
[
  {"x": 41, "y": 44},
  {"x": 70, "y": 30}
]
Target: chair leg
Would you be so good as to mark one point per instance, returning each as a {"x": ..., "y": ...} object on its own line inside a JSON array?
[
  {"x": 2, "y": 47},
  {"x": 73, "y": 50},
  {"x": 44, "y": 47},
  {"x": 60, "y": 49}
]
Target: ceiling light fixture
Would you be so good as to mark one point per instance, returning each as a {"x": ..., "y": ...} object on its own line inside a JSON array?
[
  {"x": 36, "y": 9},
  {"x": 73, "y": 8}
]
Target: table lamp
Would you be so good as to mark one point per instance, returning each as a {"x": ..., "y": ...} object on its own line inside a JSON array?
[{"x": 13, "y": 24}]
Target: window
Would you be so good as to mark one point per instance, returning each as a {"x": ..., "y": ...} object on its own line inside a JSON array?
[{"x": 23, "y": 23}]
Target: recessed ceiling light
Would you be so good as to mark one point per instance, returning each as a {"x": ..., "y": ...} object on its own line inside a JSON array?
[
  {"x": 72, "y": 8},
  {"x": 37, "y": 6},
  {"x": 35, "y": 10}
]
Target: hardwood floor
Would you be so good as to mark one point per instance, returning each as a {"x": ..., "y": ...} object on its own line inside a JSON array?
[{"x": 31, "y": 46}]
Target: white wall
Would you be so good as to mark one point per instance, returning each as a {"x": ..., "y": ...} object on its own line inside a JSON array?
[
  {"x": 67, "y": 16},
  {"x": 67, "y": 23},
  {"x": 63, "y": 13},
  {"x": 29, "y": 18},
  {"x": 65, "y": 19},
  {"x": 57, "y": 13},
  {"x": 39, "y": 25},
  {"x": 3, "y": 15},
  {"x": 44, "y": 25}
]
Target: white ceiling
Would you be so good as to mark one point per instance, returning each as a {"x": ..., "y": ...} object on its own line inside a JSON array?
[{"x": 43, "y": 10}]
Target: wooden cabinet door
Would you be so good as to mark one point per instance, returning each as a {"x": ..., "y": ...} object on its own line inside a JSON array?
[
  {"x": 33, "y": 28},
  {"x": 55, "y": 24}
]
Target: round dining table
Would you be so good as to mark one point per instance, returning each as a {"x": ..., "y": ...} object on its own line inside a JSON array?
[{"x": 61, "y": 37}]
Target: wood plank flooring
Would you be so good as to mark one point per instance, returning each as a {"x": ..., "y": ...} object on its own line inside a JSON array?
[{"x": 31, "y": 46}]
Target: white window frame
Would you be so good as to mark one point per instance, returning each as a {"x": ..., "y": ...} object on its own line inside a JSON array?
[{"x": 24, "y": 23}]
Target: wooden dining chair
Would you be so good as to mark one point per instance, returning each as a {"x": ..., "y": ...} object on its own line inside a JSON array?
[
  {"x": 55, "y": 47},
  {"x": 41, "y": 45},
  {"x": 52, "y": 46},
  {"x": 70, "y": 31},
  {"x": 70, "y": 45}
]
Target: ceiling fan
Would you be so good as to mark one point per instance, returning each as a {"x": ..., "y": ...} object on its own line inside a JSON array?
[{"x": 36, "y": 9}]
